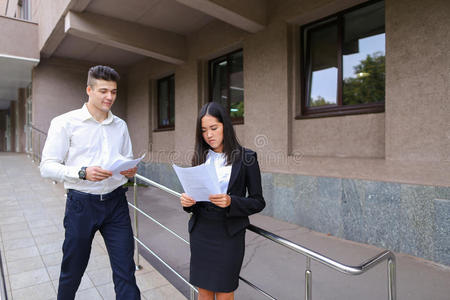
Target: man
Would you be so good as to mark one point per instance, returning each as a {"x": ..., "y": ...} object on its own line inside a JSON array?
[{"x": 79, "y": 147}]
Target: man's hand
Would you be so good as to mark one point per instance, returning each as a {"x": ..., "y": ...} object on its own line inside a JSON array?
[
  {"x": 186, "y": 201},
  {"x": 130, "y": 172},
  {"x": 221, "y": 200},
  {"x": 97, "y": 174}
]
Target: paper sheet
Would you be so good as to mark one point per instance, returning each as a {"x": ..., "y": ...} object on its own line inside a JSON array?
[
  {"x": 198, "y": 182},
  {"x": 121, "y": 164}
]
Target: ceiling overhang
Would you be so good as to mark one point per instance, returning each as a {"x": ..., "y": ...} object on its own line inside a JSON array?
[
  {"x": 249, "y": 15},
  {"x": 151, "y": 42},
  {"x": 15, "y": 73}
]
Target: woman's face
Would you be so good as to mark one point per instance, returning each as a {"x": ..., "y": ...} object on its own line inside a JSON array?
[{"x": 212, "y": 131}]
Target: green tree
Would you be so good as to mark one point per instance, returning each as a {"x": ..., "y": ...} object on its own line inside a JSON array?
[
  {"x": 319, "y": 101},
  {"x": 369, "y": 84}
]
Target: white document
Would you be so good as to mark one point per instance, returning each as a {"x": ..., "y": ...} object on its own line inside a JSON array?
[
  {"x": 121, "y": 164},
  {"x": 198, "y": 182}
]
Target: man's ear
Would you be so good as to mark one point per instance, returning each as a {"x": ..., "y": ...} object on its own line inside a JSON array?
[{"x": 88, "y": 90}]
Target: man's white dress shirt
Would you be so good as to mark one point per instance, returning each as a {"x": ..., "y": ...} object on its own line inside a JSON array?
[{"x": 75, "y": 139}]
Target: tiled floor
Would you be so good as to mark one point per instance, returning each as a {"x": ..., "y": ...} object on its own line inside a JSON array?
[{"x": 31, "y": 236}]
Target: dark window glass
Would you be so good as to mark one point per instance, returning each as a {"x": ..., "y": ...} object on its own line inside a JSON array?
[
  {"x": 166, "y": 102},
  {"x": 227, "y": 84},
  {"x": 343, "y": 62}
]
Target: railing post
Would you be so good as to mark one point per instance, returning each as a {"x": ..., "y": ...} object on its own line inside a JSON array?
[
  {"x": 192, "y": 294},
  {"x": 136, "y": 229},
  {"x": 308, "y": 280},
  {"x": 39, "y": 148},
  {"x": 33, "y": 156},
  {"x": 392, "y": 286}
]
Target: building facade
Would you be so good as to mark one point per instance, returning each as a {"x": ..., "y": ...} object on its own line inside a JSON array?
[{"x": 347, "y": 103}]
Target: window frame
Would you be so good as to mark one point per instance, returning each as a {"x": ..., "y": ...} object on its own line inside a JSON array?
[
  {"x": 339, "y": 109},
  {"x": 169, "y": 109},
  {"x": 225, "y": 57}
]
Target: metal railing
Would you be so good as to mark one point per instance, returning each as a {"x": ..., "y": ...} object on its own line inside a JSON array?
[
  {"x": 36, "y": 149},
  {"x": 310, "y": 254},
  {"x": 3, "y": 294}
]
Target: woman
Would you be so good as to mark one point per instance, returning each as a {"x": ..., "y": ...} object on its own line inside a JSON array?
[{"x": 217, "y": 228}]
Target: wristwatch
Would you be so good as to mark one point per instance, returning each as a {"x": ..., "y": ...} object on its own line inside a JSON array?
[{"x": 82, "y": 173}]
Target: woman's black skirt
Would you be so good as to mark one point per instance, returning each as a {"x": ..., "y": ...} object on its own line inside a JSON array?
[{"x": 216, "y": 257}]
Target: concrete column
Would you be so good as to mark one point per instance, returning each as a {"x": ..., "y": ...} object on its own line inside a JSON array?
[
  {"x": 21, "y": 111},
  {"x": 12, "y": 117},
  {"x": 3, "y": 130}
]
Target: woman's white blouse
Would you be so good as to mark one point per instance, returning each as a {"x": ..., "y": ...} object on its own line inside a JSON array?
[{"x": 222, "y": 170}]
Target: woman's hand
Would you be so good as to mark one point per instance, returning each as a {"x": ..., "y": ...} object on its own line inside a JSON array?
[
  {"x": 186, "y": 201},
  {"x": 221, "y": 200}
]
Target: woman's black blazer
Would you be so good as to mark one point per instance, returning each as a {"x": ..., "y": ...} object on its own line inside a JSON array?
[{"x": 245, "y": 177}]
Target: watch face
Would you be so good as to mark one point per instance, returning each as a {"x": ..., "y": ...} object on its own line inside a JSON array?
[{"x": 82, "y": 174}]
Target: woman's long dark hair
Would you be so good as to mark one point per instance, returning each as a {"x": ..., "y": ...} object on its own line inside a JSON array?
[{"x": 231, "y": 146}]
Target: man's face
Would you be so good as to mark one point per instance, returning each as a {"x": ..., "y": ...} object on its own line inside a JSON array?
[{"x": 103, "y": 94}]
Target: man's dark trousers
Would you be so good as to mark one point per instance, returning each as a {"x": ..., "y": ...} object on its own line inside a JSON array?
[{"x": 85, "y": 214}]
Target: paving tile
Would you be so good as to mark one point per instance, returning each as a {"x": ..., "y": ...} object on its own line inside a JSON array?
[
  {"x": 40, "y": 223},
  {"x": 17, "y": 254},
  {"x": 19, "y": 243},
  {"x": 107, "y": 291},
  {"x": 29, "y": 278},
  {"x": 150, "y": 280},
  {"x": 11, "y": 220},
  {"x": 88, "y": 294},
  {"x": 98, "y": 262},
  {"x": 9, "y": 211},
  {"x": 50, "y": 237},
  {"x": 43, "y": 291},
  {"x": 100, "y": 276},
  {"x": 85, "y": 283},
  {"x": 163, "y": 292},
  {"x": 25, "y": 264},
  {"x": 14, "y": 227},
  {"x": 14, "y": 235},
  {"x": 50, "y": 248},
  {"x": 39, "y": 231},
  {"x": 53, "y": 272},
  {"x": 52, "y": 259}
]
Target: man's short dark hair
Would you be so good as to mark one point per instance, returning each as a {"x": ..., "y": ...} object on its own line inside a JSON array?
[{"x": 103, "y": 73}]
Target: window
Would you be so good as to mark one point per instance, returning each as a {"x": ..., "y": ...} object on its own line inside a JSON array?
[
  {"x": 343, "y": 63},
  {"x": 226, "y": 84},
  {"x": 166, "y": 102},
  {"x": 23, "y": 11}
]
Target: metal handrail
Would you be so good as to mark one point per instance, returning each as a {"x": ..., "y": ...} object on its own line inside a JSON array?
[
  {"x": 164, "y": 188},
  {"x": 310, "y": 254},
  {"x": 33, "y": 153},
  {"x": 3, "y": 294}
]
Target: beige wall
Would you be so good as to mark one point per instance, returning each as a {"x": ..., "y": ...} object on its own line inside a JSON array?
[
  {"x": 3, "y": 4},
  {"x": 368, "y": 146},
  {"x": 60, "y": 86},
  {"x": 50, "y": 12},
  {"x": 21, "y": 37},
  {"x": 417, "y": 81}
]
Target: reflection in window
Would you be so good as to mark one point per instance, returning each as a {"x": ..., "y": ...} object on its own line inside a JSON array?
[
  {"x": 363, "y": 55},
  {"x": 166, "y": 102},
  {"x": 322, "y": 65},
  {"x": 344, "y": 62},
  {"x": 227, "y": 83}
]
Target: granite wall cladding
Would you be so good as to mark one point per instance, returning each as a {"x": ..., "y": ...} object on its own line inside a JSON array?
[{"x": 412, "y": 219}]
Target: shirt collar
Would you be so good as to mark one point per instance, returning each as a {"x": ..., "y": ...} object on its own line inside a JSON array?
[{"x": 86, "y": 115}]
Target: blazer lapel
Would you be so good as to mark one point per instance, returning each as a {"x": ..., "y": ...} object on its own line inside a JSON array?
[{"x": 235, "y": 168}]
